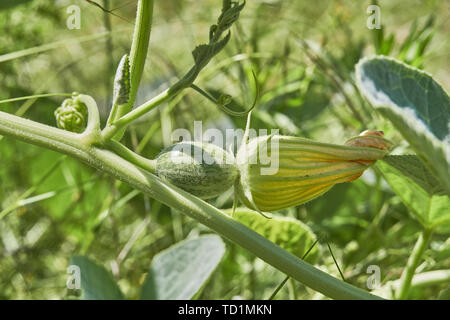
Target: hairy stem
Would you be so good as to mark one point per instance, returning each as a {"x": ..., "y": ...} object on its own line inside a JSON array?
[
  {"x": 131, "y": 156},
  {"x": 92, "y": 133},
  {"x": 139, "y": 46}
]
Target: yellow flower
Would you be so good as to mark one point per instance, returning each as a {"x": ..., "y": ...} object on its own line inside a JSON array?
[{"x": 278, "y": 172}]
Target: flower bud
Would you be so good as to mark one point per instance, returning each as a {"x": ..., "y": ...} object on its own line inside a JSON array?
[{"x": 301, "y": 169}]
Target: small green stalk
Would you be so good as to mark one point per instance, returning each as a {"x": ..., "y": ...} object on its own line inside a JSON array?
[
  {"x": 412, "y": 264},
  {"x": 278, "y": 288},
  {"x": 131, "y": 156},
  {"x": 51, "y": 46},
  {"x": 431, "y": 278},
  {"x": 35, "y": 96},
  {"x": 139, "y": 46},
  {"x": 110, "y": 130},
  {"x": 92, "y": 133}
]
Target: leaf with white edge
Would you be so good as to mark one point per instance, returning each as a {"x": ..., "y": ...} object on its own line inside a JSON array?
[
  {"x": 417, "y": 106},
  {"x": 424, "y": 202},
  {"x": 288, "y": 233},
  {"x": 179, "y": 272},
  {"x": 96, "y": 282}
]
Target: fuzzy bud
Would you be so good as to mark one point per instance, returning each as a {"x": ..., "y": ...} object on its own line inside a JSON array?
[{"x": 72, "y": 115}]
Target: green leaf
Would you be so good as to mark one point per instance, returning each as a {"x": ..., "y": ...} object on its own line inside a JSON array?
[
  {"x": 205, "y": 52},
  {"x": 412, "y": 182},
  {"x": 288, "y": 233},
  {"x": 416, "y": 105},
  {"x": 413, "y": 168},
  {"x": 230, "y": 14},
  {"x": 96, "y": 282},
  {"x": 179, "y": 272}
]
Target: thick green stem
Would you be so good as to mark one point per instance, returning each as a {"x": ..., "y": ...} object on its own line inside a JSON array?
[
  {"x": 413, "y": 262},
  {"x": 40, "y": 134},
  {"x": 92, "y": 133},
  {"x": 50, "y": 46},
  {"x": 109, "y": 162},
  {"x": 139, "y": 46},
  {"x": 138, "y": 55},
  {"x": 280, "y": 286}
]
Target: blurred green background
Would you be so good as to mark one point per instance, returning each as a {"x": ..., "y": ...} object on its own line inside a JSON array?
[{"x": 304, "y": 54}]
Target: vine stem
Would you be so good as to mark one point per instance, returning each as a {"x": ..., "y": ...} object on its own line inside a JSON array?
[
  {"x": 411, "y": 265},
  {"x": 109, "y": 162},
  {"x": 92, "y": 133},
  {"x": 138, "y": 55},
  {"x": 110, "y": 130},
  {"x": 124, "y": 152}
]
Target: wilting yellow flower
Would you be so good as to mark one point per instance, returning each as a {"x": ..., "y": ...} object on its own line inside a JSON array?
[{"x": 278, "y": 172}]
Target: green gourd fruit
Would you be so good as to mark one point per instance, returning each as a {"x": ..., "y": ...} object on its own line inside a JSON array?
[{"x": 202, "y": 169}]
